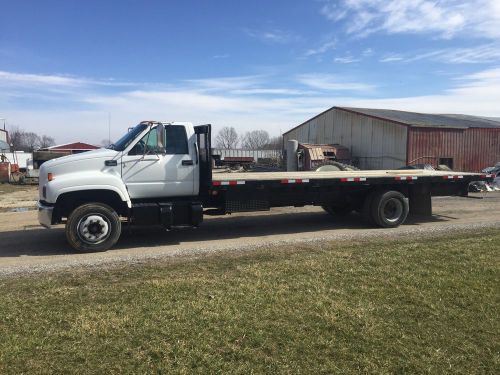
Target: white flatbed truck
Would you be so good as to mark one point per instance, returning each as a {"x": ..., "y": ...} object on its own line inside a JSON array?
[{"x": 161, "y": 174}]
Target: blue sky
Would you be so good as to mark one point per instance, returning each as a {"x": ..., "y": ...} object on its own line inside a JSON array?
[{"x": 65, "y": 66}]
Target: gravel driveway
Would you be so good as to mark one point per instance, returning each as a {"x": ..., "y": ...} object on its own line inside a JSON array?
[{"x": 26, "y": 247}]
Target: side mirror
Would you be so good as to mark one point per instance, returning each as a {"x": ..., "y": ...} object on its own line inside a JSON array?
[{"x": 160, "y": 136}]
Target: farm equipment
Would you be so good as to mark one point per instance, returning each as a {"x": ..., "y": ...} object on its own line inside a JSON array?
[{"x": 323, "y": 157}]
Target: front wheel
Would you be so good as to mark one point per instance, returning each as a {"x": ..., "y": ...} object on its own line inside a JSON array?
[{"x": 93, "y": 227}]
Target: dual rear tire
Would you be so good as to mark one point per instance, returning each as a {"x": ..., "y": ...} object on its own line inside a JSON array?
[{"x": 386, "y": 209}]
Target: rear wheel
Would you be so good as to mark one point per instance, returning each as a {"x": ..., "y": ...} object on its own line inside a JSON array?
[
  {"x": 389, "y": 209},
  {"x": 93, "y": 227}
]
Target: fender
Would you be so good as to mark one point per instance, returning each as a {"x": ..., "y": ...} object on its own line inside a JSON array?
[{"x": 87, "y": 180}]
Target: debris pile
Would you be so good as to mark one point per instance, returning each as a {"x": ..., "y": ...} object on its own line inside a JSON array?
[{"x": 479, "y": 186}]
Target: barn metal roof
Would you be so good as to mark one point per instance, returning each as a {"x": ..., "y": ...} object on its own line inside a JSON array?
[
  {"x": 427, "y": 119},
  {"x": 418, "y": 119},
  {"x": 76, "y": 146}
]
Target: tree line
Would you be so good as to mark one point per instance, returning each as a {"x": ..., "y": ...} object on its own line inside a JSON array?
[
  {"x": 228, "y": 138},
  {"x": 22, "y": 140}
]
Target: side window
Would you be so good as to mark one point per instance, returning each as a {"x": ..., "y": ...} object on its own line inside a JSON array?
[
  {"x": 176, "y": 140},
  {"x": 147, "y": 145}
]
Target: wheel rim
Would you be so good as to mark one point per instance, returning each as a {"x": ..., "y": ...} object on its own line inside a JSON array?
[
  {"x": 393, "y": 209},
  {"x": 94, "y": 229}
]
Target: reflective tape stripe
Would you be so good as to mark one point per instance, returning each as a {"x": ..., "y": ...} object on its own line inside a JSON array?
[
  {"x": 295, "y": 181},
  {"x": 225, "y": 183},
  {"x": 452, "y": 177},
  {"x": 406, "y": 178},
  {"x": 353, "y": 179}
]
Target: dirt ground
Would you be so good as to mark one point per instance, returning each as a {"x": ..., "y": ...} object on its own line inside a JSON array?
[
  {"x": 25, "y": 246},
  {"x": 17, "y": 196}
]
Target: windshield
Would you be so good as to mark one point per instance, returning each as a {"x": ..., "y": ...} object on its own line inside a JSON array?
[{"x": 124, "y": 141}]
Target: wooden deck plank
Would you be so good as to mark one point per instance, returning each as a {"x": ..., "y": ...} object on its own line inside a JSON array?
[{"x": 262, "y": 176}]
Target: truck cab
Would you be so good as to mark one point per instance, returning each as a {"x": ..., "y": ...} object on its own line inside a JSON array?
[
  {"x": 152, "y": 166},
  {"x": 155, "y": 164}
]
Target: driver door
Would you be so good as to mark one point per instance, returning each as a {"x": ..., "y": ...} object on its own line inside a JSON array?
[{"x": 152, "y": 173}]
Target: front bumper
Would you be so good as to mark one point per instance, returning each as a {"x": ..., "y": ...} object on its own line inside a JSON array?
[{"x": 45, "y": 214}]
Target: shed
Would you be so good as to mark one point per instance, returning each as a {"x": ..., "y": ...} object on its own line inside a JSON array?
[
  {"x": 44, "y": 154},
  {"x": 73, "y": 148},
  {"x": 387, "y": 139}
]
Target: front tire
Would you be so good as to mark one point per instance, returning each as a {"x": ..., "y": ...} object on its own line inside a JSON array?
[{"x": 93, "y": 227}]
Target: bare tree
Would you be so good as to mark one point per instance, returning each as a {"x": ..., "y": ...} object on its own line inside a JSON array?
[
  {"x": 31, "y": 141},
  {"x": 255, "y": 140},
  {"x": 275, "y": 143},
  {"x": 28, "y": 141},
  {"x": 16, "y": 137},
  {"x": 227, "y": 138},
  {"x": 46, "y": 141}
]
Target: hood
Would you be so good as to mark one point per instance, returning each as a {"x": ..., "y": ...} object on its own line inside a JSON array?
[{"x": 102, "y": 153}]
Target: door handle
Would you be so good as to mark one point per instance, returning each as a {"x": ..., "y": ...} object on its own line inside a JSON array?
[{"x": 187, "y": 162}]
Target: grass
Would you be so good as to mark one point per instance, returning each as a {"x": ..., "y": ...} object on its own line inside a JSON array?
[{"x": 419, "y": 306}]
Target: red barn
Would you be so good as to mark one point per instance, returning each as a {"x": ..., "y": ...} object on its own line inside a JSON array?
[
  {"x": 387, "y": 139},
  {"x": 73, "y": 148}
]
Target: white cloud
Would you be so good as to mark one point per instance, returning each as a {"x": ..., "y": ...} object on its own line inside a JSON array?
[
  {"x": 391, "y": 58},
  {"x": 326, "y": 46},
  {"x": 485, "y": 76},
  {"x": 39, "y": 79},
  {"x": 226, "y": 83},
  {"x": 44, "y": 80},
  {"x": 346, "y": 59},
  {"x": 334, "y": 11},
  {"x": 273, "y": 91},
  {"x": 246, "y": 102},
  {"x": 475, "y": 94},
  {"x": 478, "y": 54},
  {"x": 444, "y": 18},
  {"x": 330, "y": 82},
  {"x": 467, "y": 55},
  {"x": 273, "y": 35},
  {"x": 368, "y": 52}
]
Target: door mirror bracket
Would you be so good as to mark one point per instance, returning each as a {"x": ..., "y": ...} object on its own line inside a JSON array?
[{"x": 160, "y": 136}]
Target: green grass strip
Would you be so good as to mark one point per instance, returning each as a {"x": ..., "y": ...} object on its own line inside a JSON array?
[{"x": 397, "y": 306}]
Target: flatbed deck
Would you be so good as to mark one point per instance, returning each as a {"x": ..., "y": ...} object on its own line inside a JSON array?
[
  {"x": 256, "y": 191},
  {"x": 312, "y": 175}
]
